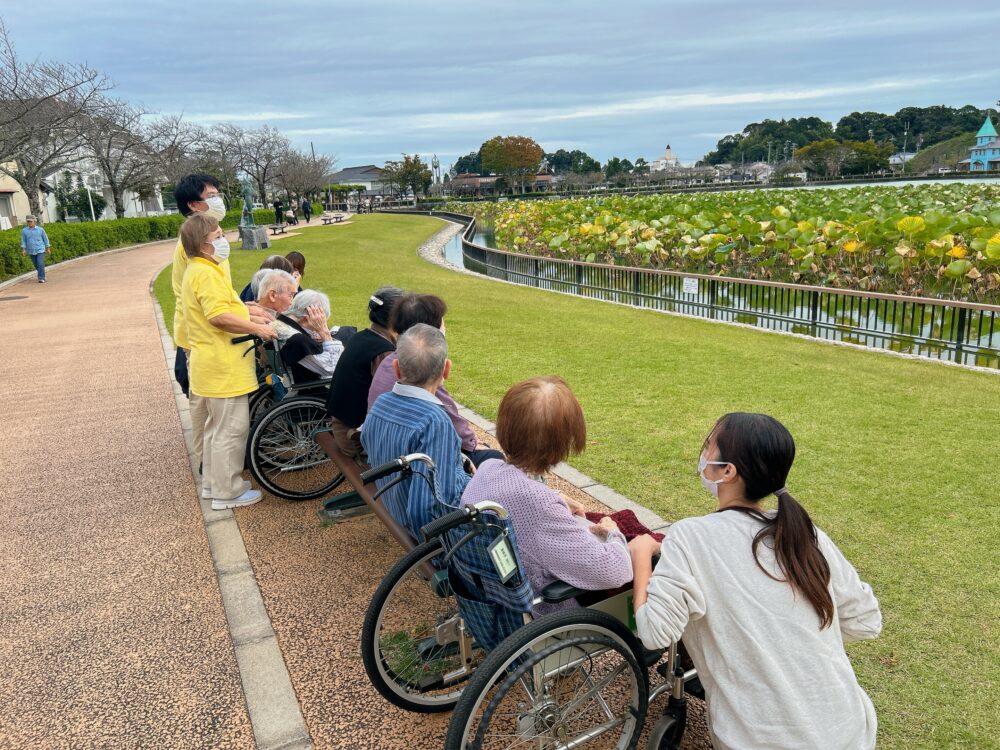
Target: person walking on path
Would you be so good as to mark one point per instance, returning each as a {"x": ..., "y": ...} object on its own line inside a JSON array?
[
  {"x": 35, "y": 244},
  {"x": 307, "y": 210},
  {"x": 221, "y": 377},
  {"x": 279, "y": 214}
]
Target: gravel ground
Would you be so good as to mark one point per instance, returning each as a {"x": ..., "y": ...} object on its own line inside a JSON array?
[{"x": 112, "y": 632}]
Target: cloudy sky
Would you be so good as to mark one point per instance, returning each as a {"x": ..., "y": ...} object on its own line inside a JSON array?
[{"x": 365, "y": 81}]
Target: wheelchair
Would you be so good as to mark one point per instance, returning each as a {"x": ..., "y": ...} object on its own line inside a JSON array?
[
  {"x": 450, "y": 627},
  {"x": 284, "y": 415}
]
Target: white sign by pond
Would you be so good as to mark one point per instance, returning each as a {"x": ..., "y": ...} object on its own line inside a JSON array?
[{"x": 690, "y": 286}]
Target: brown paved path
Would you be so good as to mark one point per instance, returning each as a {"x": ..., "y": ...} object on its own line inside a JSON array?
[{"x": 112, "y": 632}]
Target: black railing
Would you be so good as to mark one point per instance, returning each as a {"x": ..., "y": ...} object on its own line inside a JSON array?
[{"x": 952, "y": 330}]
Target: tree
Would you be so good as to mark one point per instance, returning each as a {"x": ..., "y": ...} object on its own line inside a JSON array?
[
  {"x": 469, "y": 164},
  {"x": 867, "y": 157},
  {"x": 257, "y": 153},
  {"x": 44, "y": 151},
  {"x": 303, "y": 174},
  {"x": 617, "y": 168},
  {"x": 414, "y": 174},
  {"x": 77, "y": 200},
  {"x": 118, "y": 142},
  {"x": 575, "y": 161},
  {"x": 513, "y": 158},
  {"x": 752, "y": 144},
  {"x": 824, "y": 157},
  {"x": 174, "y": 145},
  {"x": 40, "y": 96},
  {"x": 641, "y": 167}
]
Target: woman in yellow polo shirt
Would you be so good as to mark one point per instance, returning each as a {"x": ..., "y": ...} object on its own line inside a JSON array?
[{"x": 221, "y": 377}]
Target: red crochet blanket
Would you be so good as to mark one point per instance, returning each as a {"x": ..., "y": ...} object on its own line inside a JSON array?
[{"x": 628, "y": 524}]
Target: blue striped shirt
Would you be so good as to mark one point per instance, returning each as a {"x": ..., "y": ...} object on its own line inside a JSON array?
[{"x": 405, "y": 420}]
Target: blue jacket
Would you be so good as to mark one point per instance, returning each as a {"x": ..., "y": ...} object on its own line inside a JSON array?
[{"x": 34, "y": 240}]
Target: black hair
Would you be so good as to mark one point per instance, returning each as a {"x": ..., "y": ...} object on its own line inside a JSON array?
[
  {"x": 762, "y": 451},
  {"x": 417, "y": 308},
  {"x": 298, "y": 261},
  {"x": 381, "y": 303},
  {"x": 189, "y": 189}
]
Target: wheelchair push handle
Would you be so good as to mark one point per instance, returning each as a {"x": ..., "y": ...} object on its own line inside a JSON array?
[
  {"x": 244, "y": 339},
  {"x": 402, "y": 463},
  {"x": 461, "y": 516}
]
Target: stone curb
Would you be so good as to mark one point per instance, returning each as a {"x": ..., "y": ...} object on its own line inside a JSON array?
[{"x": 267, "y": 686}]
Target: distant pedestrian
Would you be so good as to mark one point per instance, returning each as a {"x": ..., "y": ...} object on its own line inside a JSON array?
[
  {"x": 307, "y": 210},
  {"x": 35, "y": 244},
  {"x": 278, "y": 213}
]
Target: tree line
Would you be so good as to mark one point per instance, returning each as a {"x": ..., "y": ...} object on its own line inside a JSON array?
[
  {"x": 55, "y": 116},
  {"x": 860, "y": 142}
]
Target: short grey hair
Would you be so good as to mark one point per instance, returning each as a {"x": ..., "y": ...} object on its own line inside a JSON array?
[
  {"x": 307, "y": 298},
  {"x": 272, "y": 279},
  {"x": 422, "y": 352}
]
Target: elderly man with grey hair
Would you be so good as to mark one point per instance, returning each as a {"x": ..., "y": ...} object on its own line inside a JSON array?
[
  {"x": 411, "y": 419},
  {"x": 309, "y": 347}
]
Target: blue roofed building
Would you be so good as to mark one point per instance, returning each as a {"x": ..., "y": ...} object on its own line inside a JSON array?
[{"x": 985, "y": 155}]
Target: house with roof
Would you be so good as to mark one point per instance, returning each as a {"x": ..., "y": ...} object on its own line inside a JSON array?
[
  {"x": 985, "y": 155},
  {"x": 368, "y": 176}
]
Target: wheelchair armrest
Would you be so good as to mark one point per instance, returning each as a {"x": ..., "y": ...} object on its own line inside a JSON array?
[{"x": 560, "y": 591}]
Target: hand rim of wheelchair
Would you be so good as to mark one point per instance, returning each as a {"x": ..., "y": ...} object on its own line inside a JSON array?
[
  {"x": 261, "y": 462},
  {"x": 403, "y": 692},
  {"x": 499, "y": 670}
]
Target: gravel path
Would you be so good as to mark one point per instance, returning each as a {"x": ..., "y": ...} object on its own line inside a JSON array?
[{"x": 112, "y": 632}]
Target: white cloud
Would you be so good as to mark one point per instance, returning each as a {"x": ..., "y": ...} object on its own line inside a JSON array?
[{"x": 264, "y": 116}]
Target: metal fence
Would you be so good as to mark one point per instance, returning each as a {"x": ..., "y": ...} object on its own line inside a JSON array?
[{"x": 962, "y": 332}]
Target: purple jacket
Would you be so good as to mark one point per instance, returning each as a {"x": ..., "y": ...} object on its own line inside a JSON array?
[
  {"x": 554, "y": 545},
  {"x": 385, "y": 379}
]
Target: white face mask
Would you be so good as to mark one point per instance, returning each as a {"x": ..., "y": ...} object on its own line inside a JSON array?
[
  {"x": 221, "y": 246},
  {"x": 712, "y": 485},
  {"x": 216, "y": 207}
]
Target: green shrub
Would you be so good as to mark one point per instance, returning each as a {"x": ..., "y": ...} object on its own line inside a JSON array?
[{"x": 74, "y": 240}]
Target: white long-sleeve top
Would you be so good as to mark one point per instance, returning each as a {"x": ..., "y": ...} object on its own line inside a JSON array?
[{"x": 772, "y": 678}]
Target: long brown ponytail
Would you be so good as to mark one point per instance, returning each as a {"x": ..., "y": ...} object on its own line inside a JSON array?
[{"x": 762, "y": 450}]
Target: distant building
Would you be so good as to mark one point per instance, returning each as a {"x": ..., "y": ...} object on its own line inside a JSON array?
[
  {"x": 985, "y": 155},
  {"x": 14, "y": 204},
  {"x": 665, "y": 162},
  {"x": 368, "y": 176},
  {"x": 897, "y": 160}
]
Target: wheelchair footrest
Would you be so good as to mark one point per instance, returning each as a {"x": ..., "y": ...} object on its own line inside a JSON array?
[
  {"x": 347, "y": 501},
  {"x": 343, "y": 507}
]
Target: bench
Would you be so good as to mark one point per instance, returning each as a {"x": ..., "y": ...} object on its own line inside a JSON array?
[
  {"x": 332, "y": 218},
  {"x": 352, "y": 472},
  {"x": 278, "y": 229}
]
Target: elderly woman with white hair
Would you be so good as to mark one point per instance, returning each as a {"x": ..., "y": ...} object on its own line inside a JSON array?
[{"x": 308, "y": 346}]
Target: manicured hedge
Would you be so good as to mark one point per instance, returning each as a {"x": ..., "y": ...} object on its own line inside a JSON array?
[{"x": 73, "y": 240}]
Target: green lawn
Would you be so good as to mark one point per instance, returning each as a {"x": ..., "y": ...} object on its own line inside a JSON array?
[{"x": 897, "y": 459}]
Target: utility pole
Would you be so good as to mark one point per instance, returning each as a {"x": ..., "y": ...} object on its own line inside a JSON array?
[
  {"x": 311, "y": 148},
  {"x": 769, "y": 153},
  {"x": 906, "y": 133}
]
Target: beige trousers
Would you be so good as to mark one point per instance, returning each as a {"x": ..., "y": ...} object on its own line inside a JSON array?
[
  {"x": 198, "y": 407},
  {"x": 223, "y": 424}
]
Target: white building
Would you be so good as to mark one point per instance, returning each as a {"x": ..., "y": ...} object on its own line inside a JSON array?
[{"x": 665, "y": 162}]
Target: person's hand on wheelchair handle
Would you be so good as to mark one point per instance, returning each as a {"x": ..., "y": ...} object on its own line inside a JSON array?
[
  {"x": 644, "y": 546},
  {"x": 265, "y": 331}
]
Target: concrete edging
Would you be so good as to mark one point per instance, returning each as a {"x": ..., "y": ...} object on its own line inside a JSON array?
[{"x": 272, "y": 705}]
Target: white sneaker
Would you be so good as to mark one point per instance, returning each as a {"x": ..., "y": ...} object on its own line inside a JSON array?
[
  {"x": 206, "y": 492},
  {"x": 247, "y": 498}
]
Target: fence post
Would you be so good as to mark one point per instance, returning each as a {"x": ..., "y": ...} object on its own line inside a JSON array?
[
  {"x": 814, "y": 312},
  {"x": 538, "y": 280},
  {"x": 711, "y": 298},
  {"x": 960, "y": 336},
  {"x": 579, "y": 279}
]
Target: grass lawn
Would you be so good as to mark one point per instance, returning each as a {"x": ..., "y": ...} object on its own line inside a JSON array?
[{"x": 897, "y": 459}]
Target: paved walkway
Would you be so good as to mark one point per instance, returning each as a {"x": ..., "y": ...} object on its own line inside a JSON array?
[{"x": 112, "y": 632}]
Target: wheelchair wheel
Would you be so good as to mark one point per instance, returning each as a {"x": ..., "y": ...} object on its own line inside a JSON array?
[
  {"x": 569, "y": 679},
  {"x": 282, "y": 455},
  {"x": 413, "y": 644},
  {"x": 260, "y": 401}
]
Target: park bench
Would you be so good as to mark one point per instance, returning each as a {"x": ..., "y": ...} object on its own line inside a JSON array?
[
  {"x": 332, "y": 218},
  {"x": 278, "y": 229},
  {"x": 352, "y": 472}
]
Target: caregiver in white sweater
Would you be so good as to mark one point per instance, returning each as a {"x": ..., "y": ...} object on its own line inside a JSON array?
[{"x": 764, "y": 601}]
